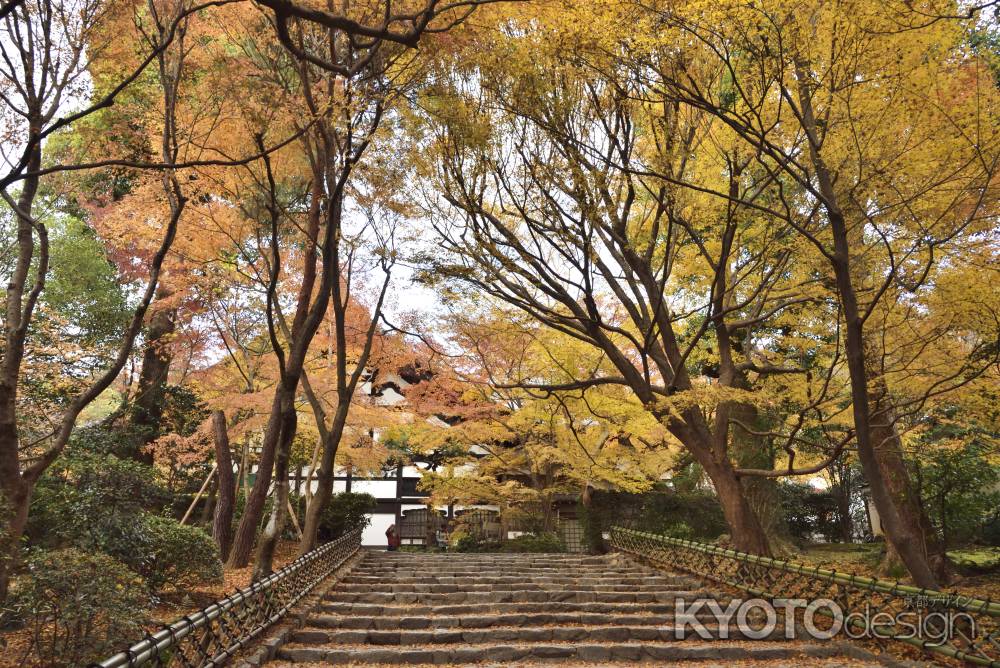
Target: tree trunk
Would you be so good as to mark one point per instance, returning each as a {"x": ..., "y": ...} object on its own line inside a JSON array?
[
  {"x": 207, "y": 510},
  {"x": 753, "y": 451},
  {"x": 907, "y": 542},
  {"x": 892, "y": 464},
  {"x": 842, "y": 492},
  {"x": 147, "y": 410},
  {"x": 222, "y": 523},
  {"x": 253, "y": 510},
  {"x": 324, "y": 479},
  {"x": 264, "y": 562},
  {"x": 844, "y": 510},
  {"x": 14, "y": 502},
  {"x": 15, "y": 491},
  {"x": 744, "y": 526},
  {"x": 911, "y": 510}
]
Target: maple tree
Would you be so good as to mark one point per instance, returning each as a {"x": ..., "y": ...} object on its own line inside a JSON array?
[
  {"x": 578, "y": 185},
  {"x": 590, "y": 250},
  {"x": 57, "y": 53},
  {"x": 747, "y": 241},
  {"x": 49, "y": 42},
  {"x": 876, "y": 202}
]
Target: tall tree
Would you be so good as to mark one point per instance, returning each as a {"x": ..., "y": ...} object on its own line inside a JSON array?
[
  {"x": 344, "y": 74},
  {"x": 889, "y": 147},
  {"x": 46, "y": 46},
  {"x": 222, "y": 523},
  {"x": 545, "y": 204}
]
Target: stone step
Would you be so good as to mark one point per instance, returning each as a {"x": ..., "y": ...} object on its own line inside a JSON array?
[
  {"x": 443, "y": 588},
  {"x": 372, "y": 610},
  {"x": 521, "y": 635},
  {"x": 465, "y": 563},
  {"x": 529, "y": 609},
  {"x": 837, "y": 661},
  {"x": 431, "y": 557},
  {"x": 664, "y": 580},
  {"x": 579, "y": 651},
  {"x": 516, "y": 563},
  {"x": 514, "y": 596},
  {"x": 498, "y": 572},
  {"x": 519, "y": 609},
  {"x": 478, "y": 621}
]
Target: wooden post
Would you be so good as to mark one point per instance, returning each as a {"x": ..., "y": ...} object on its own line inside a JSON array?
[{"x": 198, "y": 495}]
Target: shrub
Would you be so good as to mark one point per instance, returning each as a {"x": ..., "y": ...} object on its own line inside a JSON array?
[
  {"x": 90, "y": 500},
  {"x": 176, "y": 554},
  {"x": 991, "y": 530},
  {"x": 80, "y": 607},
  {"x": 958, "y": 490},
  {"x": 345, "y": 511},
  {"x": 541, "y": 542},
  {"x": 102, "y": 439},
  {"x": 460, "y": 540},
  {"x": 679, "y": 530},
  {"x": 693, "y": 514},
  {"x": 809, "y": 513},
  {"x": 94, "y": 502},
  {"x": 698, "y": 510}
]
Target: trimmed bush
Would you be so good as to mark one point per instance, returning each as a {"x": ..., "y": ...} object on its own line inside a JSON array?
[
  {"x": 80, "y": 607},
  {"x": 692, "y": 514},
  {"x": 94, "y": 502},
  {"x": 176, "y": 554},
  {"x": 465, "y": 542},
  {"x": 541, "y": 542},
  {"x": 809, "y": 513},
  {"x": 345, "y": 511}
]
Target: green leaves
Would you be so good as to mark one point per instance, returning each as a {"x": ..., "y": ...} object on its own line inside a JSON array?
[{"x": 83, "y": 288}]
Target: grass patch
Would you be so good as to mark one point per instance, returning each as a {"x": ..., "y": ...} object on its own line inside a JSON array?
[
  {"x": 976, "y": 559},
  {"x": 860, "y": 558}
]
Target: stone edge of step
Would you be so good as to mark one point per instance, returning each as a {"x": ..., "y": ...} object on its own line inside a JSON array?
[{"x": 589, "y": 652}]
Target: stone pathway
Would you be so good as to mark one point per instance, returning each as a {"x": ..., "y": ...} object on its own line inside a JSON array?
[{"x": 411, "y": 608}]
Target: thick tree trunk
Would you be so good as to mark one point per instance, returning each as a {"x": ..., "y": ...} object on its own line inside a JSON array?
[
  {"x": 222, "y": 522},
  {"x": 264, "y": 561},
  {"x": 324, "y": 480},
  {"x": 746, "y": 532},
  {"x": 753, "y": 451},
  {"x": 745, "y": 529},
  {"x": 147, "y": 410},
  {"x": 253, "y": 510},
  {"x": 908, "y": 543},
  {"x": 15, "y": 499},
  {"x": 889, "y": 452}
]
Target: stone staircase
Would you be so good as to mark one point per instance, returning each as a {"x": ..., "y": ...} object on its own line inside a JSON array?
[{"x": 411, "y": 608}]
